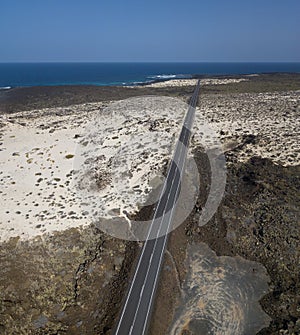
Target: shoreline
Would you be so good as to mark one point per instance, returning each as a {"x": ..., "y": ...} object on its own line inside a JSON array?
[
  {"x": 154, "y": 81},
  {"x": 30, "y": 98}
]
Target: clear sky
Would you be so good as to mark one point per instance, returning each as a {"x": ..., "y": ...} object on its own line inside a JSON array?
[{"x": 152, "y": 30}]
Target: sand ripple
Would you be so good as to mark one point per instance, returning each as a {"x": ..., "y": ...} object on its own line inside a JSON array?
[{"x": 221, "y": 295}]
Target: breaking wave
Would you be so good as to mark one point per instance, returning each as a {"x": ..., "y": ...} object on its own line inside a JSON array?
[{"x": 170, "y": 76}]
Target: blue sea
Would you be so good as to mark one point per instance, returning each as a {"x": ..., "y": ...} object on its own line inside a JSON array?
[{"x": 48, "y": 74}]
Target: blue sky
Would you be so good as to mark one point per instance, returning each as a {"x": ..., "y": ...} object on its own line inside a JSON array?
[{"x": 156, "y": 30}]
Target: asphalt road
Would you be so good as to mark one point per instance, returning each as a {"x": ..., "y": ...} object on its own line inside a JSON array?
[{"x": 136, "y": 311}]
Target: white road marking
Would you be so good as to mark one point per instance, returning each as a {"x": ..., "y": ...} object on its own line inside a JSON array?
[
  {"x": 160, "y": 261},
  {"x": 150, "y": 261},
  {"x": 160, "y": 227},
  {"x": 145, "y": 244}
]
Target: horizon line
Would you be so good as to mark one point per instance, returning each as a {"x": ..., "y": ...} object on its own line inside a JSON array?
[{"x": 149, "y": 62}]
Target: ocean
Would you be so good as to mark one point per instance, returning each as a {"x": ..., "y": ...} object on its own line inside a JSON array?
[{"x": 49, "y": 74}]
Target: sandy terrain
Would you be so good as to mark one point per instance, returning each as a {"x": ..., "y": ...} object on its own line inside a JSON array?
[
  {"x": 215, "y": 292},
  {"x": 193, "y": 82},
  {"x": 266, "y": 125},
  {"x": 39, "y": 149}
]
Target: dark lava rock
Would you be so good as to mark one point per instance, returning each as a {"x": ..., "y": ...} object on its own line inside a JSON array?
[{"x": 258, "y": 219}]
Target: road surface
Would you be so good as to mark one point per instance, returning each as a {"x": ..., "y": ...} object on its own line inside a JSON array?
[{"x": 136, "y": 311}]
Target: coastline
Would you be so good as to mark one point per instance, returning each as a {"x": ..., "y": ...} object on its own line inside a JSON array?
[
  {"x": 257, "y": 120},
  {"x": 28, "y": 98},
  {"x": 34, "y": 74}
]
